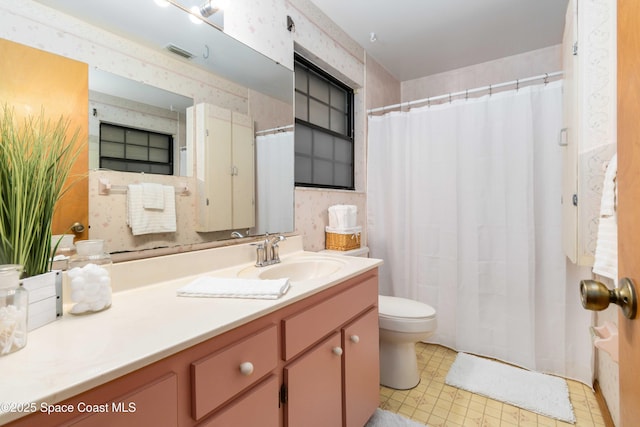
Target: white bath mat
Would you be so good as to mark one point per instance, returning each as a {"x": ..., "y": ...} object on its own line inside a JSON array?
[
  {"x": 383, "y": 418},
  {"x": 540, "y": 393}
]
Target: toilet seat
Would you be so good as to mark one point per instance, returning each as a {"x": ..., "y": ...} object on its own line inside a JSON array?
[{"x": 405, "y": 315}]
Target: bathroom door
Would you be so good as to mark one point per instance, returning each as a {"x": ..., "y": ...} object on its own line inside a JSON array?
[
  {"x": 629, "y": 201},
  {"x": 33, "y": 79}
]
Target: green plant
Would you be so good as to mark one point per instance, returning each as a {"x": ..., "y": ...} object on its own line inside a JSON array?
[{"x": 36, "y": 157}]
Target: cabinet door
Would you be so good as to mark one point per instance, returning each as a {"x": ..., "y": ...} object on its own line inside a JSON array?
[
  {"x": 314, "y": 386},
  {"x": 361, "y": 369},
  {"x": 243, "y": 155},
  {"x": 213, "y": 167},
  {"x": 258, "y": 407},
  {"x": 152, "y": 405}
]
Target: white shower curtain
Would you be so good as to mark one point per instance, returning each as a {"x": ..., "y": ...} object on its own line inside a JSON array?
[
  {"x": 464, "y": 207},
  {"x": 274, "y": 182}
]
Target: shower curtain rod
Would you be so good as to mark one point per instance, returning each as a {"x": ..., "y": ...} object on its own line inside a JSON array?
[
  {"x": 489, "y": 88},
  {"x": 275, "y": 130}
]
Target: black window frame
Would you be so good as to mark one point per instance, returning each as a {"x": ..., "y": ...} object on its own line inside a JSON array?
[
  {"x": 125, "y": 160},
  {"x": 349, "y": 127}
]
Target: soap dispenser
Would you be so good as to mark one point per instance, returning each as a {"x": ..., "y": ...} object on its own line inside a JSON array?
[{"x": 14, "y": 304}]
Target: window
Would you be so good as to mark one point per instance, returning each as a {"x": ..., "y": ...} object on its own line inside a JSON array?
[
  {"x": 324, "y": 129},
  {"x": 134, "y": 150}
]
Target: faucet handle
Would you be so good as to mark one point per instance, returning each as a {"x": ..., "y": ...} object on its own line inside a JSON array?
[
  {"x": 275, "y": 255},
  {"x": 260, "y": 254}
]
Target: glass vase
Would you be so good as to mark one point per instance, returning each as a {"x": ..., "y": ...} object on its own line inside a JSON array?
[
  {"x": 14, "y": 303},
  {"x": 89, "y": 272}
]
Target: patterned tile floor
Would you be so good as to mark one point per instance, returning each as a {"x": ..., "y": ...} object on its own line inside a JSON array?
[{"x": 434, "y": 403}]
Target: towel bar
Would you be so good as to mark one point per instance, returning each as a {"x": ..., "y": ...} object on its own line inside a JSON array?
[{"x": 105, "y": 188}]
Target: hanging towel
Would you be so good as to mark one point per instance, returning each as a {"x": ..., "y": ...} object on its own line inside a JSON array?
[
  {"x": 606, "y": 255},
  {"x": 235, "y": 288},
  {"x": 152, "y": 196},
  {"x": 148, "y": 221}
]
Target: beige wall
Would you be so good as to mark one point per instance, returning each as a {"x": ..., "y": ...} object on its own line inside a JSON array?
[
  {"x": 492, "y": 72},
  {"x": 381, "y": 87}
]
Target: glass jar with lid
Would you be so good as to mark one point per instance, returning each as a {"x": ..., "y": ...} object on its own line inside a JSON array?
[
  {"x": 14, "y": 304},
  {"x": 89, "y": 272}
]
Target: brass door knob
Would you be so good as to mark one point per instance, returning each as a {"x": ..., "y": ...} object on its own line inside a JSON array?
[
  {"x": 77, "y": 227},
  {"x": 596, "y": 296}
]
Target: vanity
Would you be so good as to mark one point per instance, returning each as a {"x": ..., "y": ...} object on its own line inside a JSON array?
[{"x": 308, "y": 358}]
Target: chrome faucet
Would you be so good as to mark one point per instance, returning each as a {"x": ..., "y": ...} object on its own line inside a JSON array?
[
  {"x": 239, "y": 235},
  {"x": 267, "y": 251}
]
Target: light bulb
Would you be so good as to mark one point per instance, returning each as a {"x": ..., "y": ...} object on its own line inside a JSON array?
[{"x": 193, "y": 16}]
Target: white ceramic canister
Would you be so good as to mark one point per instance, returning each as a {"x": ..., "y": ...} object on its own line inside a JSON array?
[
  {"x": 14, "y": 304},
  {"x": 89, "y": 272}
]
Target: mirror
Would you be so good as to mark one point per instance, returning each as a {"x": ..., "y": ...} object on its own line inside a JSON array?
[
  {"x": 221, "y": 71},
  {"x": 125, "y": 102}
]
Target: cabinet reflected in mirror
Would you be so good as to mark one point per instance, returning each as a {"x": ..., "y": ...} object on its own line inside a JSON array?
[
  {"x": 218, "y": 200},
  {"x": 223, "y": 72}
]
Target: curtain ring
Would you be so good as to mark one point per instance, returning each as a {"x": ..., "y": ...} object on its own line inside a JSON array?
[
  {"x": 517, "y": 85},
  {"x": 449, "y": 97},
  {"x": 546, "y": 78},
  {"x": 490, "y": 90},
  {"x": 466, "y": 94}
]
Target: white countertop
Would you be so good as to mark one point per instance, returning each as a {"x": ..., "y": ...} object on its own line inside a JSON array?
[{"x": 143, "y": 325}]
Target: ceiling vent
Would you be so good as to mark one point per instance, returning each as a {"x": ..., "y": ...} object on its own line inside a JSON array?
[{"x": 179, "y": 51}]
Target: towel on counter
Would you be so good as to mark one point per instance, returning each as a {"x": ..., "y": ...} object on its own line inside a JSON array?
[
  {"x": 152, "y": 196},
  {"x": 220, "y": 287},
  {"x": 148, "y": 221},
  {"x": 606, "y": 255}
]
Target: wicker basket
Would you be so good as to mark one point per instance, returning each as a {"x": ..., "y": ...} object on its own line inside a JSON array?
[{"x": 342, "y": 240}]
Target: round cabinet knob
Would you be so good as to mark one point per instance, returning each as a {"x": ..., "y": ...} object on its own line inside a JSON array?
[
  {"x": 355, "y": 339},
  {"x": 337, "y": 351},
  {"x": 246, "y": 368}
]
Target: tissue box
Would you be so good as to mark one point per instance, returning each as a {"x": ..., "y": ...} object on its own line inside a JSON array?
[
  {"x": 45, "y": 298},
  {"x": 342, "y": 239}
]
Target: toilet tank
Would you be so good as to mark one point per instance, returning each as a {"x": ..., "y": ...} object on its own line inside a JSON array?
[{"x": 360, "y": 252}]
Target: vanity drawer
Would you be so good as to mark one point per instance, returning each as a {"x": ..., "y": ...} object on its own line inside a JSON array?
[
  {"x": 220, "y": 376},
  {"x": 307, "y": 327}
]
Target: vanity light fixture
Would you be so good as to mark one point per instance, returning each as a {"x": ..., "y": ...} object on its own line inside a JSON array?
[
  {"x": 207, "y": 9},
  {"x": 198, "y": 13},
  {"x": 195, "y": 16}
]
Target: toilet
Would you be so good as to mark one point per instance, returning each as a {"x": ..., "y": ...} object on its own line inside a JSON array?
[{"x": 403, "y": 322}]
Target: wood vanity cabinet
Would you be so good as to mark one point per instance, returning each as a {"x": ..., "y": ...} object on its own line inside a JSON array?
[
  {"x": 312, "y": 363},
  {"x": 321, "y": 383}
]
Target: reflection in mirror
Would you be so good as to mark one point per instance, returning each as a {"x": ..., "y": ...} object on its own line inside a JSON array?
[
  {"x": 119, "y": 103},
  {"x": 274, "y": 179},
  {"x": 222, "y": 71}
]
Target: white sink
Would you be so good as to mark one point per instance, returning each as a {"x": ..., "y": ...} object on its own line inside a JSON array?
[{"x": 296, "y": 269}]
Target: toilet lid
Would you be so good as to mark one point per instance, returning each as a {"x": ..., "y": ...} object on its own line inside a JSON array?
[{"x": 404, "y": 308}]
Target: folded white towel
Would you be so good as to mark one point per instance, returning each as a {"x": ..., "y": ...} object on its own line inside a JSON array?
[
  {"x": 343, "y": 216},
  {"x": 152, "y": 196},
  {"x": 148, "y": 221},
  {"x": 208, "y": 286},
  {"x": 606, "y": 254}
]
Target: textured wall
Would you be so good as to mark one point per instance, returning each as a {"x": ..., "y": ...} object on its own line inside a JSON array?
[{"x": 501, "y": 70}]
